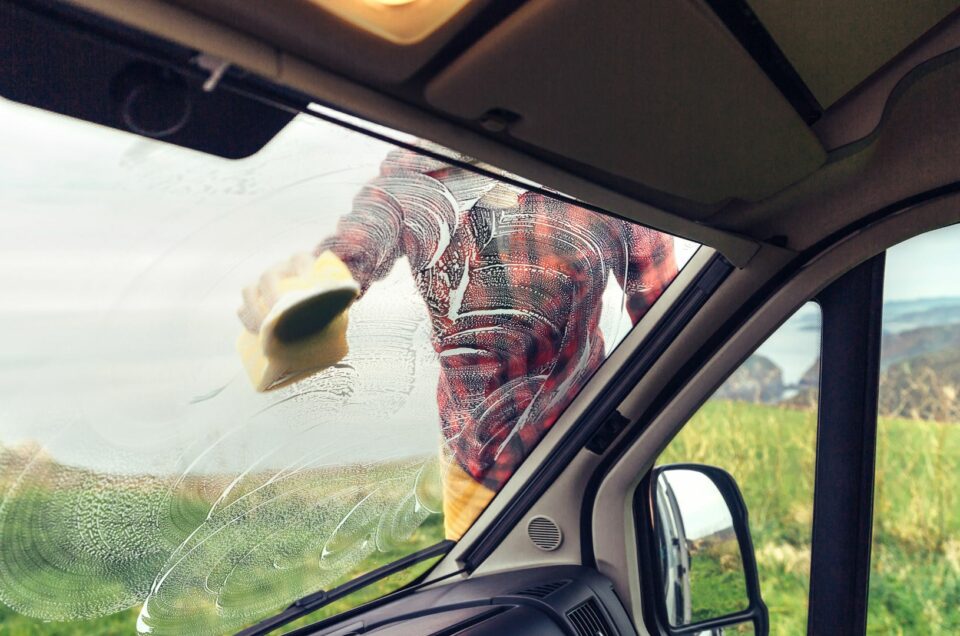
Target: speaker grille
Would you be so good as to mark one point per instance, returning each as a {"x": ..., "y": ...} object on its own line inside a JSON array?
[{"x": 545, "y": 533}]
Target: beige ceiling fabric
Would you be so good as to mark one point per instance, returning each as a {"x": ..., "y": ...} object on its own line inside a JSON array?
[
  {"x": 836, "y": 44},
  {"x": 915, "y": 149}
]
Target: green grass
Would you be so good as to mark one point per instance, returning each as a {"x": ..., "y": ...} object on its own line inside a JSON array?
[
  {"x": 125, "y": 622},
  {"x": 37, "y": 530},
  {"x": 19, "y": 625},
  {"x": 717, "y": 584},
  {"x": 915, "y": 582},
  {"x": 770, "y": 451}
]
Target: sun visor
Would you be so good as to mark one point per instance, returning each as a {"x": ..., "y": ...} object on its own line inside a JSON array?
[
  {"x": 836, "y": 44},
  {"x": 658, "y": 93},
  {"x": 165, "y": 95}
]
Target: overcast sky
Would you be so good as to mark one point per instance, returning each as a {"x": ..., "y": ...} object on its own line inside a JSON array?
[{"x": 927, "y": 266}]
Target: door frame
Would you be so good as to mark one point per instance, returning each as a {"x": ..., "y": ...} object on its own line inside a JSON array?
[{"x": 608, "y": 536}]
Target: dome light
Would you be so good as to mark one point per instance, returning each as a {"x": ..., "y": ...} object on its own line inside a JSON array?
[{"x": 399, "y": 21}]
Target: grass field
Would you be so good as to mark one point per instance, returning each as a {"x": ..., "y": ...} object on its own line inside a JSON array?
[
  {"x": 915, "y": 583},
  {"x": 717, "y": 583},
  {"x": 125, "y": 622},
  {"x": 74, "y": 543},
  {"x": 915, "y": 578}
]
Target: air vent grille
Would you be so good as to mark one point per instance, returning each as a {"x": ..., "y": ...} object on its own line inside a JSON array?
[
  {"x": 545, "y": 533},
  {"x": 543, "y": 590},
  {"x": 588, "y": 621}
]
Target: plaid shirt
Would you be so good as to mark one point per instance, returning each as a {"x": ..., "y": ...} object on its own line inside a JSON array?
[{"x": 513, "y": 283}]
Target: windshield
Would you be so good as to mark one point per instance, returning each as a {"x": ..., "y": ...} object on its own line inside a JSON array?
[{"x": 229, "y": 384}]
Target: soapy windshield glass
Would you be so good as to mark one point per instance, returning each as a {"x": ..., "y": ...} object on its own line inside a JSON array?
[{"x": 421, "y": 327}]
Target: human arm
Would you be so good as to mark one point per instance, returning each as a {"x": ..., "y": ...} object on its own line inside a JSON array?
[
  {"x": 651, "y": 266},
  {"x": 295, "y": 317}
]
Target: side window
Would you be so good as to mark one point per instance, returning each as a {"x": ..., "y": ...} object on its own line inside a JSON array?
[
  {"x": 761, "y": 427},
  {"x": 915, "y": 558}
]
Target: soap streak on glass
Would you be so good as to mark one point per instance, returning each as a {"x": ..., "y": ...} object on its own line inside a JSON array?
[{"x": 138, "y": 468}]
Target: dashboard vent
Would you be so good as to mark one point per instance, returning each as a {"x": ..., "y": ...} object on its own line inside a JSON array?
[
  {"x": 588, "y": 621},
  {"x": 545, "y": 533},
  {"x": 543, "y": 590}
]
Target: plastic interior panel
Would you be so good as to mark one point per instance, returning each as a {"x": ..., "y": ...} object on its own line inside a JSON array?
[
  {"x": 53, "y": 65},
  {"x": 523, "y": 612},
  {"x": 670, "y": 101}
]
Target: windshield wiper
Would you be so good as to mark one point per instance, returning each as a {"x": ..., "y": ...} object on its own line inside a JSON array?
[{"x": 315, "y": 601}]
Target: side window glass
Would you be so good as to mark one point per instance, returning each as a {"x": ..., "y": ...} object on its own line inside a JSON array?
[
  {"x": 761, "y": 427},
  {"x": 915, "y": 555}
]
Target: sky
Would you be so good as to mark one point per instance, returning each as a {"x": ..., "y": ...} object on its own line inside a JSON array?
[
  {"x": 121, "y": 265},
  {"x": 701, "y": 506},
  {"x": 927, "y": 266}
]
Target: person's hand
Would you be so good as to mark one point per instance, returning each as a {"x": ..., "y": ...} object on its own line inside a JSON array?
[
  {"x": 295, "y": 320},
  {"x": 260, "y": 298}
]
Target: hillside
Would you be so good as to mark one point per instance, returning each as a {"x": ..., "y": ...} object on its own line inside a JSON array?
[
  {"x": 919, "y": 377},
  {"x": 920, "y": 341},
  {"x": 757, "y": 380}
]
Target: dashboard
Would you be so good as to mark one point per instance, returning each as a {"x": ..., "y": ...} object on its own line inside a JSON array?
[{"x": 561, "y": 600}]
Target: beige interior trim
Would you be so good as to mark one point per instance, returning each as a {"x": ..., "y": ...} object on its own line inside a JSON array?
[
  {"x": 859, "y": 113},
  {"x": 909, "y": 142},
  {"x": 304, "y": 29},
  {"x": 613, "y": 527},
  {"x": 182, "y": 27},
  {"x": 915, "y": 149},
  {"x": 376, "y": 107},
  {"x": 191, "y": 30}
]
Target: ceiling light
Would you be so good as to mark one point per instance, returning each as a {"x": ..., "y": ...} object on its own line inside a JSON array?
[{"x": 399, "y": 21}]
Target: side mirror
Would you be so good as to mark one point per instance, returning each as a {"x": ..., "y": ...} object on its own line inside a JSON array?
[{"x": 697, "y": 556}]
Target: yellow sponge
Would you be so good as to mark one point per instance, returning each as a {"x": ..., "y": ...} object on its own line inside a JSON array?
[{"x": 305, "y": 331}]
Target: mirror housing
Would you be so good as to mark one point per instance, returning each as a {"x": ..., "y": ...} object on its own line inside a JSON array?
[{"x": 694, "y": 543}]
